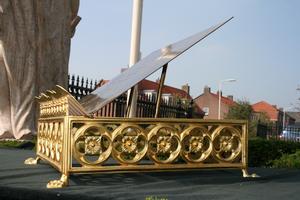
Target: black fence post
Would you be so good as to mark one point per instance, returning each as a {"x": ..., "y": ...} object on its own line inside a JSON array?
[
  {"x": 80, "y": 87},
  {"x": 178, "y": 110}
]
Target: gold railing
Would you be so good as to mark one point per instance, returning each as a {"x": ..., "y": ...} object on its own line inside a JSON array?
[{"x": 78, "y": 144}]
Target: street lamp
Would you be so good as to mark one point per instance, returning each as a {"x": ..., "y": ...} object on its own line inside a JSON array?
[{"x": 220, "y": 89}]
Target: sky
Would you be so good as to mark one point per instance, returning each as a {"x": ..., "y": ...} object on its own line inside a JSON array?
[{"x": 260, "y": 47}]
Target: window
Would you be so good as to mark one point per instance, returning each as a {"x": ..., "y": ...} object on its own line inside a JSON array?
[
  {"x": 206, "y": 110},
  {"x": 166, "y": 97},
  {"x": 150, "y": 93}
]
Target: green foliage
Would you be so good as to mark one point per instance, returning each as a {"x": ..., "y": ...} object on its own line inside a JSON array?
[
  {"x": 263, "y": 118},
  {"x": 241, "y": 110},
  {"x": 8, "y": 143},
  {"x": 288, "y": 161},
  {"x": 17, "y": 144},
  {"x": 262, "y": 152}
]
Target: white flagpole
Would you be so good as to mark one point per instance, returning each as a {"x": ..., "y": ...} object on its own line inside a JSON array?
[{"x": 135, "y": 48}]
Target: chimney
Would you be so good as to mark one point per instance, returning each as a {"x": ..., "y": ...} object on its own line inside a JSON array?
[
  {"x": 186, "y": 88},
  {"x": 206, "y": 90},
  {"x": 218, "y": 93},
  {"x": 230, "y": 97},
  {"x": 157, "y": 80}
]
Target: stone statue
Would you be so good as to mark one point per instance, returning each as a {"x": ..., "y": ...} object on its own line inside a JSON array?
[{"x": 35, "y": 39}]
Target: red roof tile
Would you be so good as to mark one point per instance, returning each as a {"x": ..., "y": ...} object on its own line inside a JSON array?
[
  {"x": 224, "y": 100},
  {"x": 151, "y": 85},
  {"x": 267, "y": 108}
]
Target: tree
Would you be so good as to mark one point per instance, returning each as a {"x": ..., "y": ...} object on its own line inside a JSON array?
[
  {"x": 241, "y": 110},
  {"x": 35, "y": 39},
  {"x": 263, "y": 118}
]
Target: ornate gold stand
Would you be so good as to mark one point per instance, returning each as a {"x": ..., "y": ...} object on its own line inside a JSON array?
[
  {"x": 74, "y": 143},
  {"x": 31, "y": 161},
  {"x": 247, "y": 175},
  {"x": 62, "y": 182}
]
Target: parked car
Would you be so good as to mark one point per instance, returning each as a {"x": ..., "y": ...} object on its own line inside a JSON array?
[{"x": 291, "y": 133}]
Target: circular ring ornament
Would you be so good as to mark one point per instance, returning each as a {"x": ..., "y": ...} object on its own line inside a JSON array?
[
  {"x": 196, "y": 144},
  {"x": 91, "y": 145},
  {"x": 227, "y": 145},
  {"x": 129, "y": 144},
  {"x": 164, "y": 144}
]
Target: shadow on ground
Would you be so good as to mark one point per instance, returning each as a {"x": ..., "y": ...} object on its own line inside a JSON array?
[{"x": 18, "y": 181}]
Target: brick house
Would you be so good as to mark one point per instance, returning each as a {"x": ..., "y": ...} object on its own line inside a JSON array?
[
  {"x": 209, "y": 103},
  {"x": 274, "y": 114},
  {"x": 296, "y": 116},
  {"x": 150, "y": 88},
  {"x": 170, "y": 95}
]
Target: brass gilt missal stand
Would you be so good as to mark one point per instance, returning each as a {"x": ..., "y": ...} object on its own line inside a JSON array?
[{"x": 72, "y": 141}]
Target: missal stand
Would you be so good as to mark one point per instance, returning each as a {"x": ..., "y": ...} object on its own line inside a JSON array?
[{"x": 72, "y": 141}]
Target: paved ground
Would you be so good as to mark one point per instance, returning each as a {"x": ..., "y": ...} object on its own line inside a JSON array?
[{"x": 18, "y": 181}]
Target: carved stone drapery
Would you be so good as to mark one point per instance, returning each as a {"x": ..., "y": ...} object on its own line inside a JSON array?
[{"x": 34, "y": 54}]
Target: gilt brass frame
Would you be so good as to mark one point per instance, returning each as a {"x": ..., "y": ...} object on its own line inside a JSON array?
[{"x": 73, "y": 143}]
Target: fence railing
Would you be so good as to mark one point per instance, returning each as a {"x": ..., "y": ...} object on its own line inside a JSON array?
[
  {"x": 146, "y": 108},
  {"x": 269, "y": 131},
  {"x": 277, "y": 132},
  {"x": 80, "y": 87}
]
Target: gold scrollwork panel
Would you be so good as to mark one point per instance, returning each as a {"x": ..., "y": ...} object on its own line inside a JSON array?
[
  {"x": 227, "y": 143},
  {"x": 92, "y": 145},
  {"x": 164, "y": 144},
  {"x": 50, "y": 140},
  {"x": 196, "y": 144},
  {"x": 129, "y": 144}
]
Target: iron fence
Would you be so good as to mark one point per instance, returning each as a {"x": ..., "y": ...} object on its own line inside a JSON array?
[
  {"x": 146, "y": 108},
  {"x": 277, "y": 132},
  {"x": 80, "y": 87}
]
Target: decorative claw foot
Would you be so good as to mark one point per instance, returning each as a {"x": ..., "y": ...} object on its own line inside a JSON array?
[
  {"x": 62, "y": 182},
  {"x": 31, "y": 161},
  {"x": 247, "y": 175}
]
